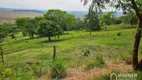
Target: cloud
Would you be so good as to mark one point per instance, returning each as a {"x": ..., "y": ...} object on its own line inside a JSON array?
[{"x": 69, "y": 5}]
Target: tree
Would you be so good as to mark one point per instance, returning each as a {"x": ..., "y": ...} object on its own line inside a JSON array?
[
  {"x": 27, "y": 26},
  {"x": 80, "y": 25},
  {"x": 3, "y": 32},
  {"x": 58, "y": 30},
  {"x": 133, "y": 19},
  {"x": 30, "y": 27},
  {"x": 20, "y": 22},
  {"x": 70, "y": 22},
  {"x": 129, "y": 18},
  {"x": 46, "y": 29},
  {"x": 56, "y": 16},
  {"x": 106, "y": 19},
  {"x": 64, "y": 20},
  {"x": 125, "y": 5},
  {"x": 92, "y": 21},
  {"x": 6, "y": 30}
]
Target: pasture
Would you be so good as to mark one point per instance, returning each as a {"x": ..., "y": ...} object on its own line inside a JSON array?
[{"x": 115, "y": 46}]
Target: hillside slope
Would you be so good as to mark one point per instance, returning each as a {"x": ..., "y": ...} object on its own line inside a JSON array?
[{"x": 10, "y": 16}]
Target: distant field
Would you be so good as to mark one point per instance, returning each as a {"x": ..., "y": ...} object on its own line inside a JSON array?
[{"x": 8, "y": 17}]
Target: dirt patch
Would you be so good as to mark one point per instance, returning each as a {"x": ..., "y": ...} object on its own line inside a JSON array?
[
  {"x": 80, "y": 74},
  {"x": 83, "y": 37}
]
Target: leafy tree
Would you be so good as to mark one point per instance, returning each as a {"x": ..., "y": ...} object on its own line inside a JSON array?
[
  {"x": 92, "y": 21},
  {"x": 126, "y": 6},
  {"x": 129, "y": 18},
  {"x": 70, "y": 22},
  {"x": 47, "y": 29},
  {"x": 58, "y": 30},
  {"x": 38, "y": 19},
  {"x": 133, "y": 19},
  {"x": 20, "y": 22},
  {"x": 3, "y": 33},
  {"x": 6, "y": 30},
  {"x": 30, "y": 27},
  {"x": 107, "y": 19},
  {"x": 79, "y": 25},
  {"x": 56, "y": 16},
  {"x": 27, "y": 26},
  {"x": 61, "y": 18}
]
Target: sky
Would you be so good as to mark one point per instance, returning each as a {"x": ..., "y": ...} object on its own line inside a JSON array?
[{"x": 67, "y": 5}]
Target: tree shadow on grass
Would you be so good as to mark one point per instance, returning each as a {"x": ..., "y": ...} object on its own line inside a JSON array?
[{"x": 52, "y": 41}]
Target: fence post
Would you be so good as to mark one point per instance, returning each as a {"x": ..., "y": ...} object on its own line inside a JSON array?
[
  {"x": 54, "y": 52},
  {"x": 53, "y": 68},
  {"x": 2, "y": 55}
]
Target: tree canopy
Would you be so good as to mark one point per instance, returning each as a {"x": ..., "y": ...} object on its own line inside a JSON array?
[
  {"x": 27, "y": 26},
  {"x": 92, "y": 21}
]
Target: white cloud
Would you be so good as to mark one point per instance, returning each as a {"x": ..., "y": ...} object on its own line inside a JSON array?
[{"x": 75, "y": 5}]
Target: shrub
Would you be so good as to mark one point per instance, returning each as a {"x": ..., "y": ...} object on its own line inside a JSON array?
[
  {"x": 37, "y": 69},
  {"x": 5, "y": 72},
  {"x": 98, "y": 62},
  {"x": 85, "y": 53},
  {"x": 139, "y": 77},
  {"x": 119, "y": 34},
  {"x": 19, "y": 72},
  {"x": 58, "y": 68}
]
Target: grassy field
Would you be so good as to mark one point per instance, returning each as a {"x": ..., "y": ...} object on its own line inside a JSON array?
[
  {"x": 115, "y": 46},
  {"x": 9, "y": 16}
]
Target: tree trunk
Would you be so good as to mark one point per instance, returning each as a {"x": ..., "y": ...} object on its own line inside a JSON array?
[
  {"x": 49, "y": 38},
  {"x": 58, "y": 36},
  {"x": 32, "y": 35},
  {"x": 90, "y": 31},
  {"x": 136, "y": 44},
  {"x": 105, "y": 28}
]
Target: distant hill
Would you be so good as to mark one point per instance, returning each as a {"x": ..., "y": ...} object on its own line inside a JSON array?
[
  {"x": 78, "y": 12},
  {"x": 5, "y": 9},
  {"x": 21, "y": 10},
  {"x": 37, "y": 11},
  {"x": 7, "y": 15}
]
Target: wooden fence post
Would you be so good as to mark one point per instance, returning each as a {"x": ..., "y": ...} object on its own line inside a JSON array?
[
  {"x": 54, "y": 52},
  {"x": 2, "y": 55},
  {"x": 53, "y": 68}
]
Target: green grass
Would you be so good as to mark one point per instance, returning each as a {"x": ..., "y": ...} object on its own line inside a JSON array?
[{"x": 69, "y": 46}]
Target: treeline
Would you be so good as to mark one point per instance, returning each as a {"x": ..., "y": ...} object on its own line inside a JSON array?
[{"x": 54, "y": 22}]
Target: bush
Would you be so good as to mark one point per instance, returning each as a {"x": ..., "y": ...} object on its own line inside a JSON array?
[
  {"x": 58, "y": 68},
  {"x": 98, "y": 62},
  {"x": 5, "y": 72},
  {"x": 37, "y": 69},
  {"x": 139, "y": 77}
]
